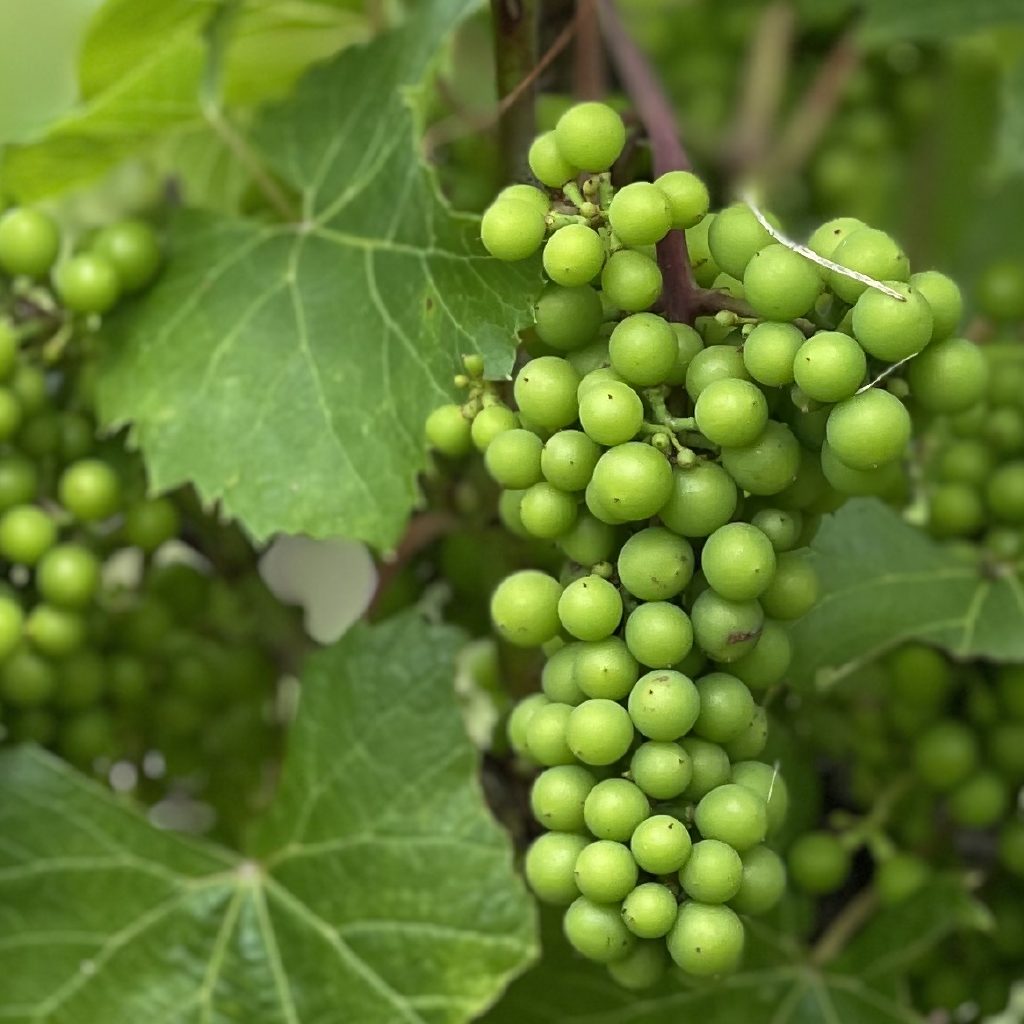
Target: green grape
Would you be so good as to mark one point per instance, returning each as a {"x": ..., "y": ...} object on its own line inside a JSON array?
[
  {"x": 558, "y": 677},
  {"x": 734, "y": 236},
  {"x": 87, "y": 737},
  {"x": 706, "y": 940},
  {"x": 703, "y": 264},
  {"x": 547, "y": 163},
  {"x": 955, "y": 510},
  {"x": 54, "y": 632},
  {"x": 524, "y": 607},
  {"x": 650, "y": 910},
  {"x": 590, "y": 608},
  {"x": 782, "y": 527},
  {"x": 869, "y": 252},
  {"x": 77, "y": 436},
  {"x": 769, "y": 785},
  {"x": 81, "y": 681},
  {"x": 26, "y": 534},
  {"x": 768, "y": 465},
  {"x": 726, "y": 630},
  {"x": 612, "y": 413},
  {"x": 558, "y": 795},
  {"x": 655, "y": 564},
  {"x": 1004, "y": 431},
  {"x": 712, "y": 873},
  {"x": 546, "y": 735},
  {"x": 879, "y": 481},
  {"x": 738, "y": 561},
  {"x": 550, "y": 865},
  {"x": 513, "y": 458},
  {"x": 794, "y": 588},
  {"x": 545, "y": 511},
  {"x": 39, "y": 436},
  {"x": 605, "y": 669},
  {"x": 965, "y": 462},
  {"x": 590, "y": 135},
  {"x": 631, "y": 280},
  {"x": 890, "y": 329},
  {"x": 88, "y": 283},
  {"x": 27, "y": 680},
  {"x": 663, "y": 705},
  {"x": 448, "y": 430},
  {"x": 1011, "y": 846},
  {"x": 945, "y": 755},
  {"x": 769, "y": 352},
  {"x": 643, "y": 349},
  {"x": 752, "y": 741},
  {"x": 601, "y": 509},
  {"x": 899, "y": 877},
  {"x": 949, "y": 376},
  {"x": 661, "y": 844},
  {"x": 29, "y": 386},
  {"x": 527, "y": 194},
  {"x": 12, "y": 622},
  {"x": 768, "y": 662},
  {"x": 545, "y": 391},
  {"x": 732, "y": 814},
  {"x": 662, "y": 770},
  {"x": 605, "y": 871},
  {"x": 688, "y": 344},
  {"x": 717, "y": 362},
  {"x": 29, "y": 242},
  {"x": 1000, "y": 290},
  {"x": 869, "y": 429},
  {"x": 613, "y": 810},
  {"x": 642, "y": 968},
  {"x": 597, "y": 931},
  {"x": 763, "y": 882},
  {"x": 132, "y": 248},
  {"x": 568, "y": 318},
  {"x": 731, "y": 412},
  {"x": 589, "y": 541},
  {"x": 818, "y": 863},
  {"x": 90, "y": 490},
  {"x": 600, "y": 731},
  {"x": 726, "y": 707},
  {"x": 1004, "y": 388},
  {"x": 703, "y": 499},
  {"x": 519, "y": 721},
  {"x": 826, "y": 238},
  {"x": 780, "y": 284},
  {"x": 944, "y": 300},
  {"x": 658, "y": 634},
  {"x": 634, "y": 479},
  {"x": 68, "y": 576},
  {"x": 639, "y": 214},
  {"x": 829, "y": 367},
  {"x": 149, "y": 524},
  {"x": 10, "y": 414},
  {"x": 980, "y": 801},
  {"x": 710, "y": 767},
  {"x": 687, "y": 197}
]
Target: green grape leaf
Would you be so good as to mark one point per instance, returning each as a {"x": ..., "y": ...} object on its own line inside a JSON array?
[
  {"x": 931, "y": 19},
  {"x": 144, "y": 66},
  {"x": 287, "y": 370},
  {"x": 780, "y": 982},
  {"x": 885, "y": 582},
  {"x": 380, "y": 890}
]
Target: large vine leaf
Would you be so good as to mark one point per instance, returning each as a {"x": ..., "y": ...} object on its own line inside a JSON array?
[
  {"x": 380, "y": 889},
  {"x": 885, "y": 582},
  {"x": 288, "y": 369},
  {"x": 779, "y": 984}
]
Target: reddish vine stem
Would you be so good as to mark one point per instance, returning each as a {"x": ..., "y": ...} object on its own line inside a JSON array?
[
  {"x": 515, "y": 54},
  {"x": 667, "y": 152},
  {"x": 421, "y": 532},
  {"x": 588, "y": 71}
]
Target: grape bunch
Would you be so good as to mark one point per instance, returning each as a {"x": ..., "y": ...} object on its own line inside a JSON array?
[{"x": 111, "y": 653}]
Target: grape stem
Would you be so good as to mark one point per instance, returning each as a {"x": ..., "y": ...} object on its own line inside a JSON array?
[
  {"x": 847, "y": 923},
  {"x": 667, "y": 153},
  {"x": 515, "y": 55},
  {"x": 710, "y": 301},
  {"x": 588, "y": 71},
  {"x": 421, "y": 532}
]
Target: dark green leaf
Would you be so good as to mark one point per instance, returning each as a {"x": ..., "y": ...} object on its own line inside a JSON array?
[
  {"x": 929, "y": 19},
  {"x": 383, "y": 890}
]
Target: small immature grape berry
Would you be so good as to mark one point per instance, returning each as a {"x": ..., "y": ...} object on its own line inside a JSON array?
[
  {"x": 26, "y": 534},
  {"x": 546, "y": 512},
  {"x": 716, "y": 362},
  {"x": 558, "y": 795},
  {"x": 524, "y": 607},
  {"x": 944, "y": 299},
  {"x": 1004, "y": 493},
  {"x": 1000, "y": 290},
  {"x": 780, "y": 284},
  {"x": 614, "y": 808},
  {"x": 710, "y": 765},
  {"x": 738, "y": 561},
  {"x": 767, "y": 663},
  {"x": 980, "y": 801},
  {"x": 881, "y": 480},
  {"x": 655, "y": 564},
  {"x": 132, "y": 248},
  {"x": 545, "y": 391},
  {"x": 574, "y": 255},
  {"x": 151, "y": 523},
  {"x": 702, "y": 499},
  {"x": 945, "y": 754},
  {"x": 88, "y": 283},
  {"x": 550, "y": 866},
  {"x": 639, "y": 214},
  {"x": 829, "y": 366},
  {"x": 661, "y": 844},
  {"x": 663, "y": 705},
  {"x": 726, "y": 630},
  {"x": 590, "y": 608},
  {"x": 662, "y": 770},
  {"x": 605, "y": 871},
  {"x": 29, "y": 242},
  {"x": 558, "y": 677},
  {"x": 688, "y": 344},
  {"x": 519, "y": 721},
  {"x": 794, "y": 588},
  {"x": 752, "y": 741},
  {"x": 527, "y": 194},
  {"x": 949, "y": 376},
  {"x": 546, "y": 735},
  {"x": 513, "y": 458},
  {"x": 706, "y": 940},
  {"x": 512, "y": 229},
  {"x": 726, "y": 707},
  {"x": 643, "y": 349},
  {"x": 869, "y": 429},
  {"x": 659, "y": 634},
  {"x": 650, "y": 910},
  {"x": 889, "y": 329},
  {"x": 568, "y": 318},
  {"x": 687, "y": 197},
  {"x": 869, "y": 252},
  {"x": 68, "y": 576},
  {"x": 597, "y": 931},
  {"x": 642, "y": 968},
  {"x": 568, "y": 459},
  {"x": 712, "y": 873},
  {"x": 548, "y": 164},
  {"x": 734, "y": 236},
  {"x": 611, "y": 414},
  {"x": 631, "y": 280},
  {"x": 633, "y": 479},
  {"x": 600, "y": 731},
  {"x": 769, "y": 464},
  {"x": 734, "y": 815},
  {"x": 782, "y": 527},
  {"x": 827, "y": 237},
  {"x": 763, "y": 883},
  {"x": 769, "y": 352},
  {"x": 731, "y": 412},
  {"x": 818, "y": 863},
  {"x": 899, "y": 877},
  {"x": 591, "y": 136}
]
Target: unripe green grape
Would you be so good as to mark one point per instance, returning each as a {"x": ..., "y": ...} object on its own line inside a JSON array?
[
  {"x": 733, "y": 238},
  {"x": 590, "y": 135},
  {"x": 703, "y": 498},
  {"x": 829, "y": 366},
  {"x": 600, "y": 507},
  {"x": 527, "y": 194},
  {"x": 767, "y": 663},
  {"x": 1000, "y": 290},
  {"x": 660, "y": 844},
  {"x": 558, "y": 677},
  {"x": 600, "y": 731},
  {"x": 655, "y": 564},
  {"x": 717, "y": 362},
  {"x": 611, "y": 414},
  {"x": 955, "y": 510},
  {"x": 597, "y": 931},
  {"x": 87, "y": 283},
  {"x": 547, "y": 512},
  {"x": 39, "y": 437},
  {"x": 766, "y": 782},
  {"x": 969, "y": 424},
  {"x": 899, "y": 877},
  {"x": 869, "y": 252},
  {"x": 706, "y": 940},
  {"x": 547, "y": 163},
  {"x": 826, "y": 238},
  {"x": 944, "y": 300},
  {"x": 661, "y": 769},
  {"x": 1004, "y": 431},
  {"x": 589, "y": 541},
  {"x": 631, "y": 280},
  {"x": 1011, "y": 846},
  {"x": 605, "y": 871},
  {"x": 818, "y": 863},
  {"x": 878, "y": 481},
  {"x": 709, "y": 764},
  {"x": 794, "y": 588},
  {"x": 550, "y": 865},
  {"x": 508, "y": 513},
  {"x": 733, "y": 815},
  {"x": 663, "y": 705},
  {"x": 738, "y": 561},
  {"x": 513, "y": 458},
  {"x": 869, "y": 429},
  {"x": 643, "y": 349},
  {"x": 980, "y": 801},
  {"x": 650, "y": 910},
  {"x": 546, "y": 735},
  {"x": 726, "y": 630},
  {"x": 54, "y": 632},
  {"x": 659, "y": 634},
  {"x": 606, "y": 669},
  {"x": 590, "y": 608},
  {"x": 489, "y": 422},
  {"x": 545, "y": 391},
  {"x": 524, "y": 607},
  {"x": 949, "y": 376},
  {"x": 26, "y": 534},
  {"x": 688, "y": 344},
  {"x": 132, "y": 248},
  {"x": 90, "y": 490},
  {"x": 27, "y": 680},
  {"x": 29, "y": 385},
  {"x": 642, "y": 968},
  {"x": 920, "y": 675},
  {"x": 945, "y": 755},
  {"x": 763, "y": 883},
  {"x": 29, "y": 242},
  {"x": 1003, "y": 542},
  {"x": 574, "y": 255},
  {"x": 519, "y": 721},
  {"x": 726, "y": 707},
  {"x": 448, "y": 431},
  {"x": 568, "y": 318},
  {"x": 703, "y": 264},
  {"x": 965, "y": 462},
  {"x": 890, "y": 329},
  {"x": 614, "y": 808},
  {"x": 558, "y": 796},
  {"x": 151, "y": 523},
  {"x": 769, "y": 352},
  {"x": 769, "y": 464},
  {"x": 779, "y": 283},
  {"x": 731, "y": 412},
  {"x": 712, "y": 873},
  {"x": 639, "y": 214},
  {"x": 1004, "y": 387},
  {"x": 634, "y": 479},
  {"x": 781, "y": 526},
  {"x": 751, "y": 742},
  {"x": 687, "y": 197},
  {"x": 87, "y": 736}
]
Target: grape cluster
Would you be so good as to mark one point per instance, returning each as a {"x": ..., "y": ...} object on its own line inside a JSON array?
[{"x": 109, "y": 652}]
